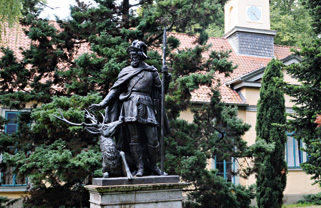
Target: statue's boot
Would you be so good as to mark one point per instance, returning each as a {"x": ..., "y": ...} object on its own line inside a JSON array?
[
  {"x": 153, "y": 158},
  {"x": 137, "y": 153}
]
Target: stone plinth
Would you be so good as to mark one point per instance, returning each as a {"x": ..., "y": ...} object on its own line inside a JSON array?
[{"x": 142, "y": 192}]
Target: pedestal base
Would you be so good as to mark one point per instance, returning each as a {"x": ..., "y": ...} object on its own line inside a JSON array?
[{"x": 127, "y": 194}]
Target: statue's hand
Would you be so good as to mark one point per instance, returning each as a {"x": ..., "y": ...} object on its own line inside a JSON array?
[
  {"x": 165, "y": 69},
  {"x": 95, "y": 107}
]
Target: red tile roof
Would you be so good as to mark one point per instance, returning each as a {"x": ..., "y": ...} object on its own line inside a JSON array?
[
  {"x": 246, "y": 64},
  {"x": 15, "y": 38}
]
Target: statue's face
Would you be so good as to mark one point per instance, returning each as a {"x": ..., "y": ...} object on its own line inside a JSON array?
[{"x": 136, "y": 59}]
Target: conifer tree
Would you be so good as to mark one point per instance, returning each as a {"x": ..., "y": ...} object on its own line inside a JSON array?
[
  {"x": 306, "y": 95},
  {"x": 191, "y": 145},
  {"x": 54, "y": 156},
  {"x": 272, "y": 168}
]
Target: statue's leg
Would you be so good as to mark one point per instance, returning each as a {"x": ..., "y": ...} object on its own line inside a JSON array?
[
  {"x": 136, "y": 148},
  {"x": 153, "y": 148}
]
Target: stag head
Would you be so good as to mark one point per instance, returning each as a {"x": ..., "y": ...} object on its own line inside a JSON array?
[{"x": 95, "y": 127}]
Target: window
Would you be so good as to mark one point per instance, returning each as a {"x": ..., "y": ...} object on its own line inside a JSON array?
[
  {"x": 294, "y": 155},
  {"x": 12, "y": 126},
  {"x": 226, "y": 169},
  {"x": 10, "y": 179},
  {"x": 7, "y": 178}
]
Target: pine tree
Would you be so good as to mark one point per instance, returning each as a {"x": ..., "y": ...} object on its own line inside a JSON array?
[
  {"x": 54, "y": 156},
  {"x": 190, "y": 145},
  {"x": 272, "y": 168},
  {"x": 306, "y": 95}
]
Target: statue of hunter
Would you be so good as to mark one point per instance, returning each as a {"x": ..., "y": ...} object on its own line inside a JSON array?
[{"x": 135, "y": 100}]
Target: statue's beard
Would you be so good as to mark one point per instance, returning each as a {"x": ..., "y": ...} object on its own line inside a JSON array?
[{"x": 135, "y": 63}]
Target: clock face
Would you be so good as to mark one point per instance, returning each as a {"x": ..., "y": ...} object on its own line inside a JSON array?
[{"x": 254, "y": 13}]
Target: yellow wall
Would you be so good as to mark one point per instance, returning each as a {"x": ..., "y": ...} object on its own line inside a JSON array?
[
  {"x": 13, "y": 195},
  {"x": 250, "y": 135},
  {"x": 289, "y": 80},
  {"x": 187, "y": 115},
  {"x": 251, "y": 95},
  {"x": 299, "y": 182}
]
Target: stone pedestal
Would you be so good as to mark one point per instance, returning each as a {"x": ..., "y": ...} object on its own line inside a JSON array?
[{"x": 142, "y": 192}]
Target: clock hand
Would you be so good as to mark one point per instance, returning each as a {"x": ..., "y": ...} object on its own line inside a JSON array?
[{"x": 254, "y": 14}]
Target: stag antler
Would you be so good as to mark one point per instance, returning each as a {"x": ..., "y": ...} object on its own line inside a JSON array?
[
  {"x": 103, "y": 117},
  {"x": 94, "y": 124},
  {"x": 91, "y": 116}
]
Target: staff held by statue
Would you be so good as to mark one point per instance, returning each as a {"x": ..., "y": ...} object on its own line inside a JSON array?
[{"x": 164, "y": 70}]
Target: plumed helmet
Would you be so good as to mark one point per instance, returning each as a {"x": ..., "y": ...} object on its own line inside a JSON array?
[{"x": 138, "y": 46}]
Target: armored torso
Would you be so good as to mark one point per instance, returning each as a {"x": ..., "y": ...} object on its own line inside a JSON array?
[
  {"x": 142, "y": 82},
  {"x": 138, "y": 105}
]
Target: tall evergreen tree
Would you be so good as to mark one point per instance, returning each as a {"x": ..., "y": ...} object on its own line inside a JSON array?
[
  {"x": 306, "y": 96},
  {"x": 53, "y": 74},
  {"x": 191, "y": 145},
  {"x": 272, "y": 168}
]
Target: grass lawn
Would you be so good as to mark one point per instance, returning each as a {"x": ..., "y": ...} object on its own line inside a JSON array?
[{"x": 301, "y": 205}]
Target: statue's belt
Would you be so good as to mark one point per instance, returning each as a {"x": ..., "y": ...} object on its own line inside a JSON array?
[
  {"x": 140, "y": 93},
  {"x": 140, "y": 100}
]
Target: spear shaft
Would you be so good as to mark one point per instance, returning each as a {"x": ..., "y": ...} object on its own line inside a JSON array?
[{"x": 162, "y": 103}]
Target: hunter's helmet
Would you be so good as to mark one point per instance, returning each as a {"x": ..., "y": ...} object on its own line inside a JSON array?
[{"x": 140, "y": 47}]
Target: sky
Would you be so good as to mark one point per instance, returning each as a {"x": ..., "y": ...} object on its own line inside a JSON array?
[{"x": 59, "y": 8}]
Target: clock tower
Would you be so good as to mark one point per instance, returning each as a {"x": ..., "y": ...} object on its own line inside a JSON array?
[{"x": 247, "y": 27}]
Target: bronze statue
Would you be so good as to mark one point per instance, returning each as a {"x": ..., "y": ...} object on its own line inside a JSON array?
[
  {"x": 133, "y": 116},
  {"x": 134, "y": 99}
]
